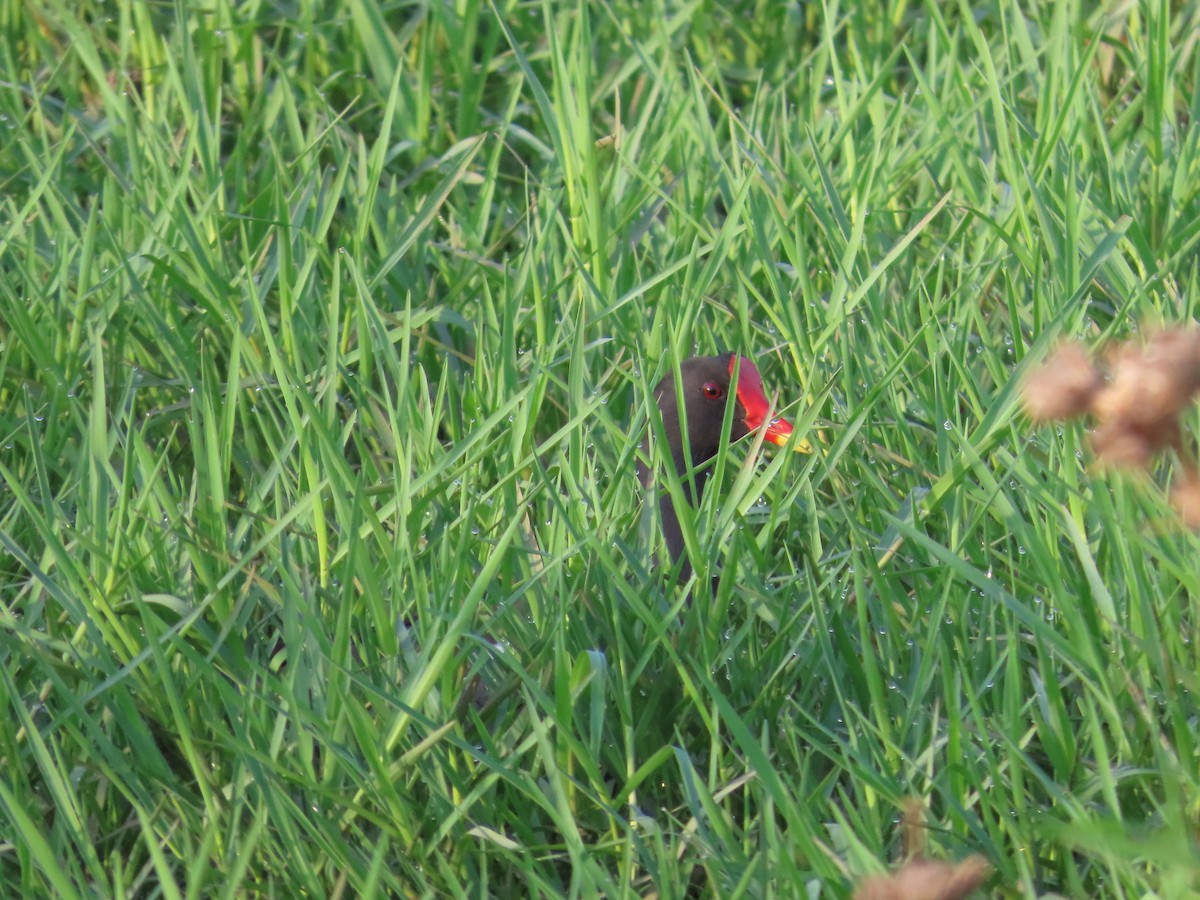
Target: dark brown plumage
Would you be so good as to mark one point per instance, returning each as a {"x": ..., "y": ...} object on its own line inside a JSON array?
[{"x": 707, "y": 388}]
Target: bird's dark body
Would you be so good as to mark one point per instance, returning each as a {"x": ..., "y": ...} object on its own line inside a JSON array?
[{"x": 704, "y": 417}]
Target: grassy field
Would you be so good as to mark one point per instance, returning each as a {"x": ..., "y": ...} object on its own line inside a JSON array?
[{"x": 327, "y": 334}]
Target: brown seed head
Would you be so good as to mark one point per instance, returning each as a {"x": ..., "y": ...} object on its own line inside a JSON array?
[
  {"x": 1119, "y": 446},
  {"x": 1178, "y": 351},
  {"x": 1062, "y": 387},
  {"x": 1137, "y": 410},
  {"x": 924, "y": 879},
  {"x": 1153, "y": 383},
  {"x": 1185, "y": 497}
]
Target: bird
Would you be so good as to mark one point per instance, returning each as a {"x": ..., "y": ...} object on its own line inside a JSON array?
[{"x": 709, "y": 384}]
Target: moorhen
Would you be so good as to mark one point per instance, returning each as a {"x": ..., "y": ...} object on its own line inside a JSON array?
[{"x": 706, "y": 382}]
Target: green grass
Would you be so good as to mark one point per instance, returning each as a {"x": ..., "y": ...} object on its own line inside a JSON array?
[{"x": 327, "y": 334}]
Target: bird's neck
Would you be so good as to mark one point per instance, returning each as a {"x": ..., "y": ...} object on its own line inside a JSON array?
[{"x": 700, "y": 473}]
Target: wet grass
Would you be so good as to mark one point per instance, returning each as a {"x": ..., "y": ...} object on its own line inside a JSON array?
[{"x": 327, "y": 335}]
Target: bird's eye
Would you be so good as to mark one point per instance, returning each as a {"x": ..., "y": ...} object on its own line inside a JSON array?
[{"x": 712, "y": 390}]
